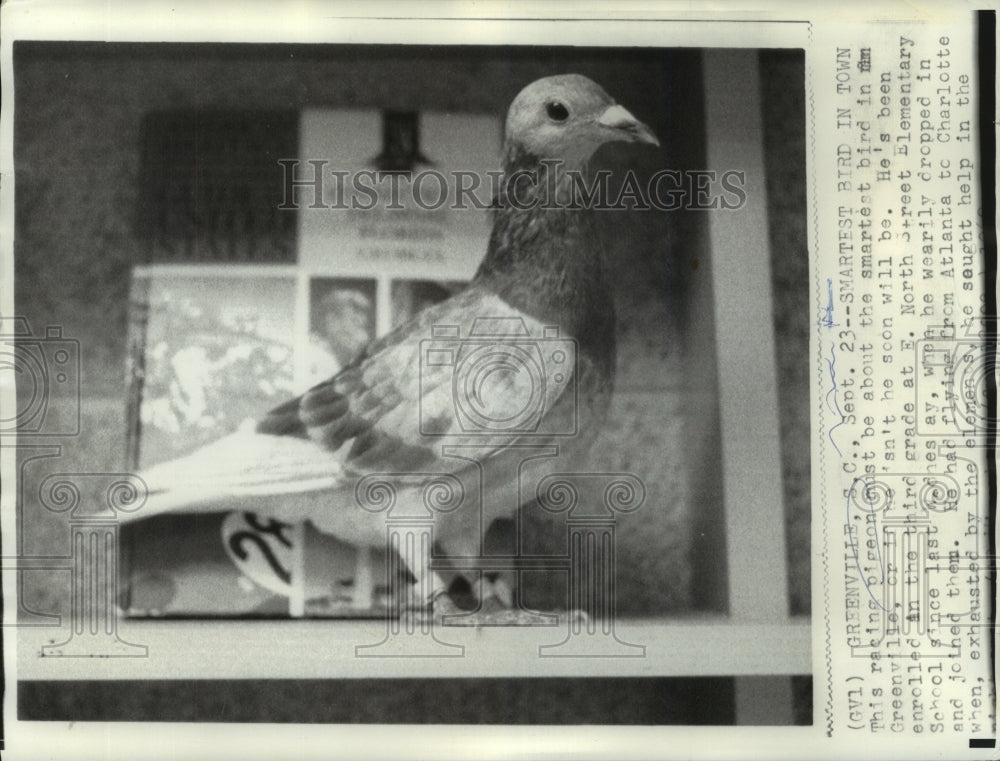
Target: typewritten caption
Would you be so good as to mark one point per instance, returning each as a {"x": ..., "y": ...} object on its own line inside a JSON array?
[{"x": 904, "y": 372}]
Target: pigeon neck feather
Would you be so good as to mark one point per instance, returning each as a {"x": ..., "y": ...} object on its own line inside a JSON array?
[{"x": 546, "y": 260}]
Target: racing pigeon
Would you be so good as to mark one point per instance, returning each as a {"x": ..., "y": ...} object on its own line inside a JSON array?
[{"x": 475, "y": 387}]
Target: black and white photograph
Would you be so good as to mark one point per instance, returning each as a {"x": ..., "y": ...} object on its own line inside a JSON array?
[
  {"x": 638, "y": 314},
  {"x": 451, "y": 381}
]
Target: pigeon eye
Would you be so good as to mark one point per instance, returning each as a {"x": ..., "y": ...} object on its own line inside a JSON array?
[{"x": 557, "y": 111}]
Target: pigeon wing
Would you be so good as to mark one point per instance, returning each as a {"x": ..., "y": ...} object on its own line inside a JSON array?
[
  {"x": 390, "y": 411},
  {"x": 470, "y": 367}
]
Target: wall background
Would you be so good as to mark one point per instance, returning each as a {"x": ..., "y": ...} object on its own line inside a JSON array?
[{"x": 76, "y": 138}]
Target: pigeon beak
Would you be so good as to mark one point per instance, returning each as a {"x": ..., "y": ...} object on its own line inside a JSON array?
[{"x": 618, "y": 118}]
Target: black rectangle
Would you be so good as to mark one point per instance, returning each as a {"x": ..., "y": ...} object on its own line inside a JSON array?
[{"x": 558, "y": 701}]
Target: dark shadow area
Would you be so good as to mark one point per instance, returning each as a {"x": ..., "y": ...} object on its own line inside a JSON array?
[{"x": 693, "y": 701}]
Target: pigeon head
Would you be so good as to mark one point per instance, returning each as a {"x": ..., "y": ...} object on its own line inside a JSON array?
[
  {"x": 566, "y": 118},
  {"x": 545, "y": 256}
]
